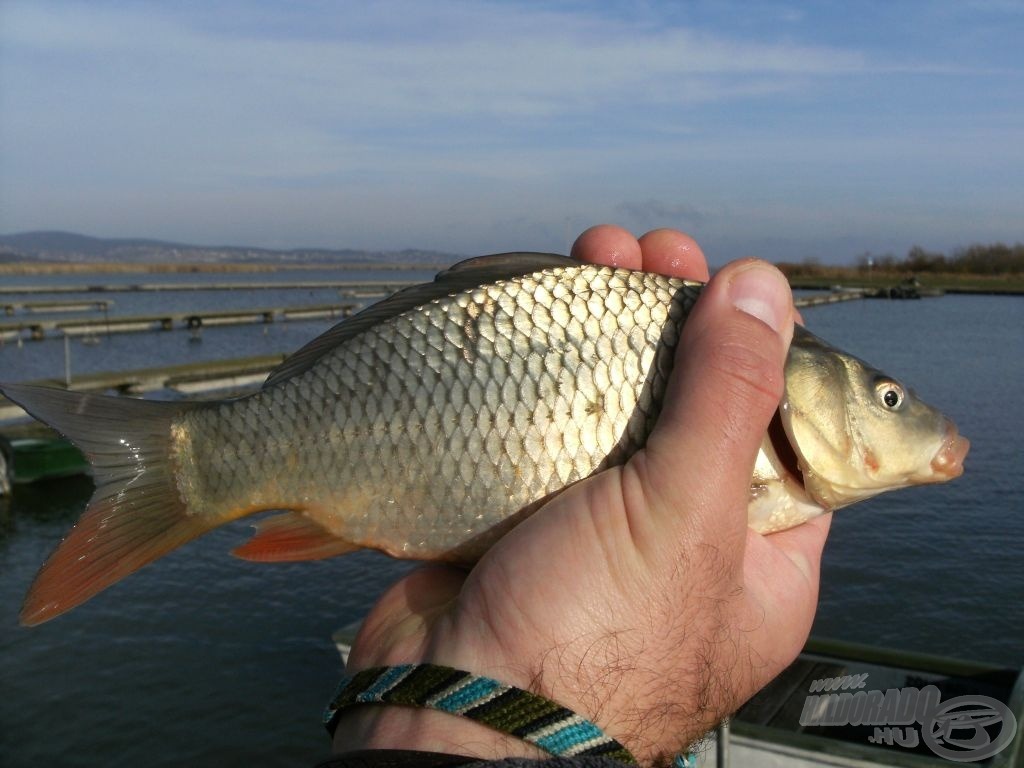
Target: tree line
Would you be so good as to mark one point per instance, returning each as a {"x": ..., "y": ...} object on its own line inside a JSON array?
[{"x": 993, "y": 259}]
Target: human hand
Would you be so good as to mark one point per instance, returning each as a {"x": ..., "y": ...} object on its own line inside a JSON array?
[{"x": 639, "y": 597}]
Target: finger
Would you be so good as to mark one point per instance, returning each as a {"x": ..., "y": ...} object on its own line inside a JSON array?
[
  {"x": 720, "y": 399},
  {"x": 673, "y": 253},
  {"x": 609, "y": 245},
  {"x": 396, "y": 628},
  {"x": 784, "y": 607},
  {"x": 803, "y": 545}
]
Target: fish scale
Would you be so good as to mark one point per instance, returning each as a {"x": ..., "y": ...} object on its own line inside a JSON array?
[{"x": 502, "y": 382}]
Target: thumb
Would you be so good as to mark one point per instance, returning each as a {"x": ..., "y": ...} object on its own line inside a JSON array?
[{"x": 720, "y": 399}]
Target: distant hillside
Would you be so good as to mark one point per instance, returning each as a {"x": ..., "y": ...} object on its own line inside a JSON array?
[
  {"x": 39, "y": 243},
  {"x": 72, "y": 247}
]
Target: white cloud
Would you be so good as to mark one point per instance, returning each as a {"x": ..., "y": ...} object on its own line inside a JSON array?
[
  {"x": 453, "y": 124},
  {"x": 150, "y": 92},
  {"x": 476, "y": 59}
]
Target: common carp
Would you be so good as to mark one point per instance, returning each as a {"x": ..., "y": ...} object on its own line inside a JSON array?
[{"x": 429, "y": 424}]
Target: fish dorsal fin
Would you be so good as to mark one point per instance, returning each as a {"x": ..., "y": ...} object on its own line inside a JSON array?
[
  {"x": 502, "y": 266},
  {"x": 459, "y": 277}
]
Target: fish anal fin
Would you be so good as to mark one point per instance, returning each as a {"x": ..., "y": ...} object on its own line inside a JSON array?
[{"x": 290, "y": 537}]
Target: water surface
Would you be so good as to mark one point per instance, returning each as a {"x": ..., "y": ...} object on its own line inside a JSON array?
[{"x": 205, "y": 660}]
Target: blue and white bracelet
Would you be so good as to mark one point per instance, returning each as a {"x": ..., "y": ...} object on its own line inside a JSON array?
[{"x": 504, "y": 708}]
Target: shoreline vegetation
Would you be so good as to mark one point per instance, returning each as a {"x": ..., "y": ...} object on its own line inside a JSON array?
[
  {"x": 846, "y": 277},
  {"x": 181, "y": 268},
  {"x": 995, "y": 269}
]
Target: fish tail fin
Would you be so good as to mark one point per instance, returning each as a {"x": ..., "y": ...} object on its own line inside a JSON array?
[{"x": 136, "y": 513}]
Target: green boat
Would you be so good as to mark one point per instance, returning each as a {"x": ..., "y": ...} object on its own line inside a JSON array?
[{"x": 27, "y": 459}]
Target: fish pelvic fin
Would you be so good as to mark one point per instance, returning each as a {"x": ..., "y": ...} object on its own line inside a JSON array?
[
  {"x": 136, "y": 513},
  {"x": 290, "y": 537}
]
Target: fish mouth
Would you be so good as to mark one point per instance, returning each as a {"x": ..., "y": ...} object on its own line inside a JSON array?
[
  {"x": 948, "y": 462},
  {"x": 784, "y": 450},
  {"x": 827, "y": 495}
]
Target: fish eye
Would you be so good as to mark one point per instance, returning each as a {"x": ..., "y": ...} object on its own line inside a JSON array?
[{"x": 890, "y": 393}]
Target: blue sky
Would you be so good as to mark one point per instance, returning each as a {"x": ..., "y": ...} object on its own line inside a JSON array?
[{"x": 775, "y": 129}]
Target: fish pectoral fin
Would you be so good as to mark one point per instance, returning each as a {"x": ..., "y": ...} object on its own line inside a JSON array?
[{"x": 291, "y": 537}]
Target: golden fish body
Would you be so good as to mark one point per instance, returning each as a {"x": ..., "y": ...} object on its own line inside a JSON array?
[{"x": 423, "y": 434}]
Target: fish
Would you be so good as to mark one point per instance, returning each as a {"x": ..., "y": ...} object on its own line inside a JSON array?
[{"x": 429, "y": 424}]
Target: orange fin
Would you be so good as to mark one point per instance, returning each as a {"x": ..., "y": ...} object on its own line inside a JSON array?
[
  {"x": 290, "y": 537},
  {"x": 135, "y": 515},
  {"x": 111, "y": 540}
]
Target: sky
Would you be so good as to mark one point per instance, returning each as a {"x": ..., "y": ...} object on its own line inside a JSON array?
[{"x": 781, "y": 130}]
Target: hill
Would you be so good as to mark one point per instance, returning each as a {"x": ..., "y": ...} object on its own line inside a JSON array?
[{"x": 70, "y": 247}]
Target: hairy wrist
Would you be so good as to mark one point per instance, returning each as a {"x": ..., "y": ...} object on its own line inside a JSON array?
[{"x": 653, "y": 688}]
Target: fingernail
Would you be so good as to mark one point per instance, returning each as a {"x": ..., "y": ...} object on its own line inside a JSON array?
[{"x": 761, "y": 291}]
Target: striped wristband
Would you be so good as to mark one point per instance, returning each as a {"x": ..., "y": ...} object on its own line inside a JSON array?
[{"x": 504, "y": 708}]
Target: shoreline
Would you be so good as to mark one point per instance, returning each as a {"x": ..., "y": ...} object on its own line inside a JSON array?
[
  {"x": 827, "y": 279},
  {"x": 991, "y": 285},
  {"x": 113, "y": 268}
]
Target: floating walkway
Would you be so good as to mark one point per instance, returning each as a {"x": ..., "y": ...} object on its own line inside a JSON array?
[
  {"x": 37, "y": 330},
  {"x": 188, "y": 378},
  {"x": 375, "y": 287},
  {"x": 197, "y": 378},
  {"x": 829, "y": 298},
  {"x": 30, "y": 307}
]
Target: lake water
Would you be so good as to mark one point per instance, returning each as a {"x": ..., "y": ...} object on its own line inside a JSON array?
[{"x": 206, "y": 660}]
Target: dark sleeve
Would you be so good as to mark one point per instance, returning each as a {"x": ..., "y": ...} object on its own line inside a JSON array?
[
  {"x": 395, "y": 758},
  {"x": 400, "y": 758}
]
